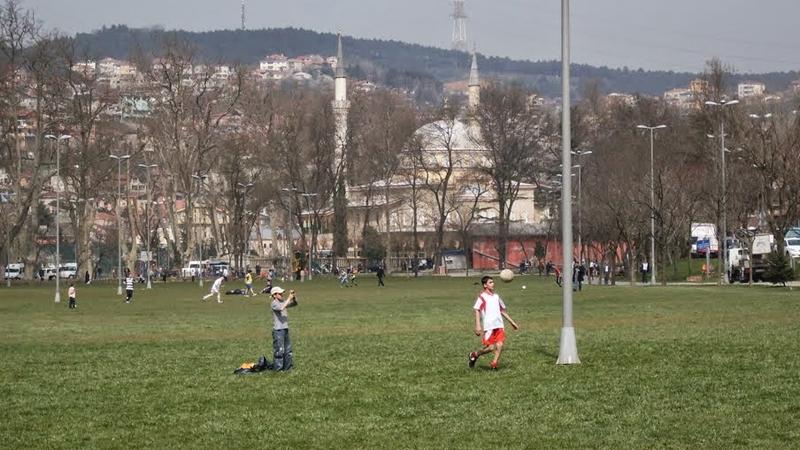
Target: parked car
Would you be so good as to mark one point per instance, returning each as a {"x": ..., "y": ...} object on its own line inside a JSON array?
[
  {"x": 218, "y": 268},
  {"x": 793, "y": 247},
  {"x": 68, "y": 270},
  {"x": 192, "y": 270},
  {"x": 15, "y": 271},
  {"x": 49, "y": 273}
]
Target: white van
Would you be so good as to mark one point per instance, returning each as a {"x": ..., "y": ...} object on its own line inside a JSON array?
[
  {"x": 68, "y": 270},
  {"x": 15, "y": 271},
  {"x": 194, "y": 269}
]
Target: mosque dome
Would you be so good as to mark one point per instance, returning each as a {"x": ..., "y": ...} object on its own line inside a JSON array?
[{"x": 456, "y": 135}]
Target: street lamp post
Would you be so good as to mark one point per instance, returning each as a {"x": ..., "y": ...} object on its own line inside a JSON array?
[
  {"x": 652, "y": 202},
  {"x": 119, "y": 159},
  {"x": 579, "y": 166},
  {"x": 724, "y": 196},
  {"x": 147, "y": 168},
  {"x": 200, "y": 180},
  {"x": 289, "y": 232},
  {"x": 568, "y": 348},
  {"x": 58, "y": 139},
  {"x": 308, "y": 195}
]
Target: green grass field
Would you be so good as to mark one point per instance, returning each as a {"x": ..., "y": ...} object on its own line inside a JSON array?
[{"x": 677, "y": 367}]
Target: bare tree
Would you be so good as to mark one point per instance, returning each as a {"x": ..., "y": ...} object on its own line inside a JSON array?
[
  {"x": 510, "y": 133},
  {"x": 187, "y": 127},
  {"x": 388, "y": 124},
  {"x": 440, "y": 157}
]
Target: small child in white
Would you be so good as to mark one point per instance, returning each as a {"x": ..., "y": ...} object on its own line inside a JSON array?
[
  {"x": 71, "y": 295},
  {"x": 215, "y": 288}
]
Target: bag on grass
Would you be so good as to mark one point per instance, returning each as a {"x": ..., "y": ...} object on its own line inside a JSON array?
[{"x": 250, "y": 367}]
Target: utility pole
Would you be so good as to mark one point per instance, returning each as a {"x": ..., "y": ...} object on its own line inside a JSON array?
[
  {"x": 119, "y": 159},
  {"x": 723, "y": 248}
]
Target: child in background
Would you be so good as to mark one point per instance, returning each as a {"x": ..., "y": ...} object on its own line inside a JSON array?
[{"x": 71, "y": 295}]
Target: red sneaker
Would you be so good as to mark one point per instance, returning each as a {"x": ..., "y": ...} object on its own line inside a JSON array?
[{"x": 493, "y": 365}]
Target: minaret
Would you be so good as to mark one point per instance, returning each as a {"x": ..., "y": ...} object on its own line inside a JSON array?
[
  {"x": 474, "y": 90},
  {"x": 340, "y": 109}
]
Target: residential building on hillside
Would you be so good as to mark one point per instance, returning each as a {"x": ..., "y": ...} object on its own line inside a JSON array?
[
  {"x": 751, "y": 89},
  {"x": 698, "y": 86},
  {"x": 680, "y": 97}
]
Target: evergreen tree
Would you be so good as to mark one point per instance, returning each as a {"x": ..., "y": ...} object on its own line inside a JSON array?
[
  {"x": 372, "y": 243},
  {"x": 778, "y": 269}
]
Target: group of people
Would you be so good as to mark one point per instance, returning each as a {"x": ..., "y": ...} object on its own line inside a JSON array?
[{"x": 489, "y": 313}]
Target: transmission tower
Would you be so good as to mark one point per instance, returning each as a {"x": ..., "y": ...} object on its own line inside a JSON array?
[
  {"x": 243, "y": 16},
  {"x": 459, "y": 26}
]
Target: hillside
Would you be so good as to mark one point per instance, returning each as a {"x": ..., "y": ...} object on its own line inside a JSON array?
[{"x": 381, "y": 59}]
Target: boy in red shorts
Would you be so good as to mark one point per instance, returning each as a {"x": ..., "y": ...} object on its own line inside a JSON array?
[{"x": 491, "y": 310}]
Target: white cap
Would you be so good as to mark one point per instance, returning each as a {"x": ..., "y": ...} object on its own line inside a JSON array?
[{"x": 276, "y": 290}]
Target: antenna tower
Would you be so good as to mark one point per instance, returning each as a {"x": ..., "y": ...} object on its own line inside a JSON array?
[
  {"x": 459, "y": 26},
  {"x": 243, "y": 16}
]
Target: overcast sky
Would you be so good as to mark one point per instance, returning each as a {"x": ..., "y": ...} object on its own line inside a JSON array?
[{"x": 652, "y": 34}]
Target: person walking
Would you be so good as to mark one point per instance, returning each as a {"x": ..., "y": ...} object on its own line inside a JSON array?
[
  {"x": 72, "y": 296},
  {"x": 489, "y": 314},
  {"x": 248, "y": 282},
  {"x": 215, "y": 288},
  {"x": 281, "y": 341},
  {"x": 129, "y": 288},
  {"x": 380, "y": 274},
  {"x": 645, "y": 268}
]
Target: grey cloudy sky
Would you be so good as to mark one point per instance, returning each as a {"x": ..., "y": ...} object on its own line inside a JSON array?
[{"x": 652, "y": 34}]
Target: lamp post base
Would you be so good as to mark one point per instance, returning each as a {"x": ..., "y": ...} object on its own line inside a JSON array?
[
  {"x": 149, "y": 284},
  {"x": 58, "y": 297},
  {"x": 568, "y": 351},
  {"x": 119, "y": 289}
]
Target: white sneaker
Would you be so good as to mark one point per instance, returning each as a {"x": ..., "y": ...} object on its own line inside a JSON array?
[{"x": 219, "y": 301}]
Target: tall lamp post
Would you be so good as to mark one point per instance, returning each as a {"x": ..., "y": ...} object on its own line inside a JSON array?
[
  {"x": 59, "y": 139},
  {"x": 147, "y": 168},
  {"x": 724, "y": 197},
  {"x": 119, "y": 159},
  {"x": 579, "y": 166},
  {"x": 568, "y": 348},
  {"x": 307, "y": 196},
  {"x": 245, "y": 235},
  {"x": 652, "y": 129},
  {"x": 200, "y": 183},
  {"x": 289, "y": 231}
]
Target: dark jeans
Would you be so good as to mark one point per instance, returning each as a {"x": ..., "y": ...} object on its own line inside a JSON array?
[{"x": 282, "y": 350}]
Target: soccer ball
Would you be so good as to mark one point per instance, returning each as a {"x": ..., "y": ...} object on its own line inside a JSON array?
[
  {"x": 524, "y": 287},
  {"x": 506, "y": 275}
]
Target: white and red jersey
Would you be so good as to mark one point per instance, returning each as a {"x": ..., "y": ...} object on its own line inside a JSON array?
[
  {"x": 217, "y": 284},
  {"x": 490, "y": 306}
]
